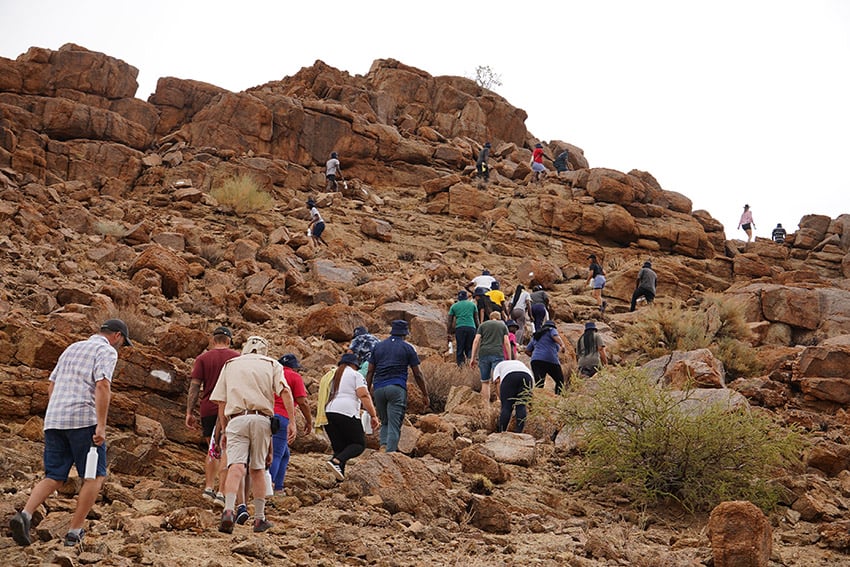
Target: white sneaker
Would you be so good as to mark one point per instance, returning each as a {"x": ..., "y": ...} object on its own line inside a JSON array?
[{"x": 336, "y": 470}]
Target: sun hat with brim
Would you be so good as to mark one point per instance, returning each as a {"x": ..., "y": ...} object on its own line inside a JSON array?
[
  {"x": 647, "y": 264},
  {"x": 117, "y": 326},
  {"x": 256, "y": 344},
  {"x": 511, "y": 323},
  {"x": 349, "y": 358},
  {"x": 400, "y": 328},
  {"x": 361, "y": 330},
  {"x": 549, "y": 325},
  {"x": 590, "y": 325},
  {"x": 223, "y": 331},
  {"x": 289, "y": 360},
  {"x": 461, "y": 295}
]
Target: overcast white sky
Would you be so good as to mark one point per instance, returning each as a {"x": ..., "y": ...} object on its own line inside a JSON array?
[{"x": 726, "y": 101}]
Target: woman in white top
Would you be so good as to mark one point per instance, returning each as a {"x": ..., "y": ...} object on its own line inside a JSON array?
[{"x": 344, "y": 428}]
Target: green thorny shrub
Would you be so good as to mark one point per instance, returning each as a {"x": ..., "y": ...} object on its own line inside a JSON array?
[
  {"x": 662, "y": 444},
  {"x": 242, "y": 194},
  {"x": 717, "y": 324}
]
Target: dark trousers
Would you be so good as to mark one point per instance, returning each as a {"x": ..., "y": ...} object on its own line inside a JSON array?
[
  {"x": 641, "y": 291},
  {"x": 514, "y": 386},
  {"x": 538, "y": 314},
  {"x": 464, "y": 337},
  {"x": 346, "y": 435},
  {"x": 540, "y": 368}
]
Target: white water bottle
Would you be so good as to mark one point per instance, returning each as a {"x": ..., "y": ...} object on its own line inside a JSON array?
[
  {"x": 269, "y": 486},
  {"x": 451, "y": 347},
  {"x": 91, "y": 464}
]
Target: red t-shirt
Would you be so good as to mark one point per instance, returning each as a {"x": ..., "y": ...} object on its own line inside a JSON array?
[
  {"x": 296, "y": 384},
  {"x": 537, "y": 155},
  {"x": 207, "y": 367}
]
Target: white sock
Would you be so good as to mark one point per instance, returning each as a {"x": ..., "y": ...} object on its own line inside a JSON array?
[{"x": 259, "y": 508}]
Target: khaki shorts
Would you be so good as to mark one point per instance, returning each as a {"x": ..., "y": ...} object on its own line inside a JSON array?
[{"x": 248, "y": 440}]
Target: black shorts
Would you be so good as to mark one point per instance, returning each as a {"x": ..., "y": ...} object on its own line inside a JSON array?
[
  {"x": 746, "y": 226},
  {"x": 318, "y": 229},
  {"x": 331, "y": 177},
  {"x": 208, "y": 424}
]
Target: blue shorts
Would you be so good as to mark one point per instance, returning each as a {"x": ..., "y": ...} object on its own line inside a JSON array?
[
  {"x": 598, "y": 282},
  {"x": 66, "y": 447},
  {"x": 537, "y": 167}
]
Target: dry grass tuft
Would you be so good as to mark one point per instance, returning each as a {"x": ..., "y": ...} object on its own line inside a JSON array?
[
  {"x": 242, "y": 194},
  {"x": 440, "y": 376}
]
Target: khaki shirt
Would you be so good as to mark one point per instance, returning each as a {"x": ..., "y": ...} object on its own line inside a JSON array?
[{"x": 249, "y": 382}]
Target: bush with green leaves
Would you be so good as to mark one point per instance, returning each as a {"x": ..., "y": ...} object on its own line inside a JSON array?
[
  {"x": 661, "y": 444},
  {"x": 242, "y": 194},
  {"x": 716, "y": 324}
]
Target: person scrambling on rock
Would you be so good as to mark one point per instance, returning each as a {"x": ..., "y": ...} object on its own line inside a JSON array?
[
  {"x": 590, "y": 351},
  {"x": 537, "y": 167},
  {"x": 645, "y": 287},
  {"x": 205, "y": 371},
  {"x": 332, "y": 169},
  {"x": 316, "y": 226},
  {"x": 481, "y": 166},
  {"x": 747, "y": 222},
  {"x": 387, "y": 379},
  {"x": 462, "y": 320},
  {"x": 75, "y": 426},
  {"x": 560, "y": 163},
  {"x": 245, "y": 394},
  {"x": 596, "y": 281}
]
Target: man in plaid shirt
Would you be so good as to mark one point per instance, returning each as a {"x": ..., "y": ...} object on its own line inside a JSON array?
[{"x": 75, "y": 421}]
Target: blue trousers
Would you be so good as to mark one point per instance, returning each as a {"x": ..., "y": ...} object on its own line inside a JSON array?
[
  {"x": 280, "y": 454},
  {"x": 390, "y": 403}
]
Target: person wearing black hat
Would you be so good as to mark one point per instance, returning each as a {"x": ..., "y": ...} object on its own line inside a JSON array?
[
  {"x": 462, "y": 322},
  {"x": 539, "y": 306},
  {"x": 75, "y": 422},
  {"x": 590, "y": 351},
  {"x": 645, "y": 288},
  {"x": 387, "y": 379},
  {"x": 205, "y": 371},
  {"x": 778, "y": 234},
  {"x": 348, "y": 394},
  {"x": 596, "y": 281},
  {"x": 331, "y": 171},
  {"x": 280, "y": 440},
  {"x": 544, "y": 348},
  {"x": 316, "y": 226},
  {"x": 481, "y": 164}
]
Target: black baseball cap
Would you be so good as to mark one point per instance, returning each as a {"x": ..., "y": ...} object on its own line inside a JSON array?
[
  {"x": 223, "y": 331},
  {"x": 117, "y": 326}
]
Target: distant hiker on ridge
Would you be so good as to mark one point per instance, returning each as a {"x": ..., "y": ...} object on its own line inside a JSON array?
[
  {"x": 481, "y": 166},
  {"x": 778, "y": 234},
  {"x": 747, "y": 223},
  {"x": 331, "y": 171}
]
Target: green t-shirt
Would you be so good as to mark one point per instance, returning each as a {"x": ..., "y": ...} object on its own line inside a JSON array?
[
  {"x": 464, "y": 313},
  {"x": 493, "y": 333}
]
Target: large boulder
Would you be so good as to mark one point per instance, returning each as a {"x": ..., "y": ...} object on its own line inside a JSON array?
[{"x": 740, "y": 535}]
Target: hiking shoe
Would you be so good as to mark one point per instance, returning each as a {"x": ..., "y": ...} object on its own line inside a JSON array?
[
  {"x": 74, "y": 538},
  {"x": 209, "y": 494},
  {"x": 228, "y": 518},
  {"x": 337, "y": 470},
  {"x": 261, "y": 525},
  {"x": 241, "y": 514},
  {"x": 219, "y": 500},
  {"x": 603, "y": 306},
  {"x": 20, "y": 526}
]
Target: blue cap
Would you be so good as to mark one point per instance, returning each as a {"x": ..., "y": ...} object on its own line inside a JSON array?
[
  {"x": 289, "y": 360},
  {"x": 349, "y": 358}
]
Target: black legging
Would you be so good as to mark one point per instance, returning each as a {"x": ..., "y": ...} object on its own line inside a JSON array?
[
  {"x": 346, "y": 435},
  {"x": 513, "y": 387},
  {"x": 541, "y": 368}
]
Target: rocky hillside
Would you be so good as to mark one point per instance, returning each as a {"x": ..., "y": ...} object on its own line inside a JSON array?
[{"x": 106, "y": 210}]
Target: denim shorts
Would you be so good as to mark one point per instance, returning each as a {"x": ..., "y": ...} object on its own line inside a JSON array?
[{"x": 66, "y": 447}]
